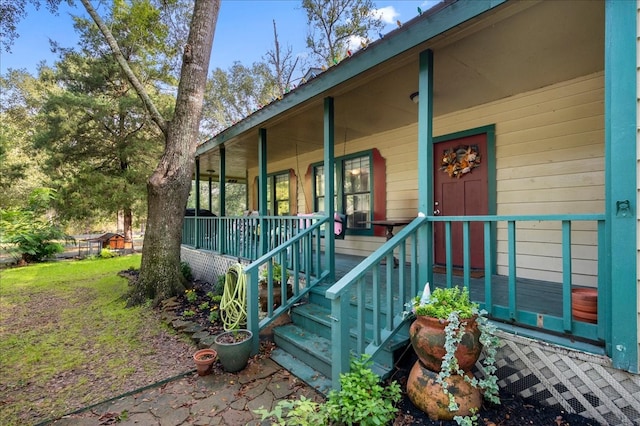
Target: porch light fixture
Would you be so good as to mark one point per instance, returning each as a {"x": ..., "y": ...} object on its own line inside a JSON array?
[{"x": 414, "y": 97}]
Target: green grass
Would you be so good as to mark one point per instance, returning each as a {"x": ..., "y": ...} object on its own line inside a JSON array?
[{"x": 64, "y": 330}]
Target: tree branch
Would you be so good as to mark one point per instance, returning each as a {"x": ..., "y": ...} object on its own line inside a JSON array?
[{"x": 124, "y": 65}]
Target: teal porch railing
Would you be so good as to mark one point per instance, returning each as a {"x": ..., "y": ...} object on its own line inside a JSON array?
[
  {"x": 245, "y": 237},
  {"x": 301, "y": 258},
  {"x": 293, "y": 242},
  {"x": 379, "y": 298}
]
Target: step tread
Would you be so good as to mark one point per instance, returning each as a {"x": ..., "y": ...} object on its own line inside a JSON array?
[
  {"x": 322, "y": 315},
  {"x": 306, "y": 341},
  {"x": 304, "y": 372}
]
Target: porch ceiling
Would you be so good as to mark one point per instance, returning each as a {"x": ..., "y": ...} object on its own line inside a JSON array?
[{"x": 516, "y": 47}]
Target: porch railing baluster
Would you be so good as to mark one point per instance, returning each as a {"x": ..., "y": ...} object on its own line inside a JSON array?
[
  {"x": 466, "y": 255},
  {"x": 488, "y": 267},
  {"x": 448, "y": 253},
  {"x": 512, "y": 269},
  {"x": 566, "y": 275}
]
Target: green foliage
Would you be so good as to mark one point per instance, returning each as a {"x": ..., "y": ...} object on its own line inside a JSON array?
[
  {"x": 190, "y": 295},
  {"x": 444, "y": 301},
  {"x": 27, "y": 233},
  {"x": 302, "y": 412},
  {"x": 188, "y": 313},
  {"x": 276, "y": 270},
  {"x": 216, "y": 298},
  {"x": 203, "y": 306},
  {"x": 214, "y": 316},
  {"x": 454, "y": 306},
  {"x": 105, "y": 253},
  {"x": 332, "y": 25},
  {"x": 185, "y": 269},
  {"x": 362, "y": 399}
]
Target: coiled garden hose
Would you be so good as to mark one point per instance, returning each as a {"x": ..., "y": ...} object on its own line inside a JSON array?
[{"x": 233, "y": 306}]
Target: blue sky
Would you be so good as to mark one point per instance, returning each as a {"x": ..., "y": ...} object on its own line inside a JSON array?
[{"x": 244, "y": 31}]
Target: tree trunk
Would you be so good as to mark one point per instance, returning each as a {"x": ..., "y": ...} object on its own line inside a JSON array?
[
  {"x": 169, "y": 185},
  {"x": 127, "y": 219}
]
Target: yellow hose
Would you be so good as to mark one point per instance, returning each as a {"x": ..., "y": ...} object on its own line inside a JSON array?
[{"x": 233, "y": 306}]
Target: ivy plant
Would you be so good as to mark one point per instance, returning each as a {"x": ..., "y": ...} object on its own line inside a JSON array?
[{"x": 455, "y": 307}]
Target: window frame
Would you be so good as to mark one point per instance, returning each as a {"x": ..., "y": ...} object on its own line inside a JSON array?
[{"x": 340, "y": 199}]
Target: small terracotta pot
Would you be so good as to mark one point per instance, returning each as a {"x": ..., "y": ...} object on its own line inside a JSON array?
[
  {"x": 584, "y": 304},
  {"x": 204, "y": 359},
  {"x": 428, "y": 338},
  {"x": 427, "y": 395}
]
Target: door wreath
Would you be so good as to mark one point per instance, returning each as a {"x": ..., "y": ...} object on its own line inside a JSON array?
[{"x": 457, "y": 162}]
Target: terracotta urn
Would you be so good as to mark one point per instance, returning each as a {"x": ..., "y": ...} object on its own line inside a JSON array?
[
  {"x": 204, "y": 359},
  {"x": 428, "y": 337},
  {"x": 584, "y": 304},
  {"x": 427, "y": 395}
]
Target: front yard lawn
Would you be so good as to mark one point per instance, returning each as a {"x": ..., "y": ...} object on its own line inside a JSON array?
[{"x": 67, "y": 341}]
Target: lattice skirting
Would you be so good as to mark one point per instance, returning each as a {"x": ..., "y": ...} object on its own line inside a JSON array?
[
  {"x": 579, "y": 382},
  {"x": 207, "y": 266}
]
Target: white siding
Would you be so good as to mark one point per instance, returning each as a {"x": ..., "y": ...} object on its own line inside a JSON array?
[{"x": 549, "y": 160}]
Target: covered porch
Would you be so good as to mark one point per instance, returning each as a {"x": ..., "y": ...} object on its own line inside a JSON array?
[{"x": 542, "y": 94}]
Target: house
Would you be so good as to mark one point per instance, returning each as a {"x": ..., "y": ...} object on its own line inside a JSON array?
[{"x": 503, "y": 137}]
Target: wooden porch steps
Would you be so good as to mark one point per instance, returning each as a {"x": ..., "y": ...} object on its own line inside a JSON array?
[{"x": 304, "y": 346}]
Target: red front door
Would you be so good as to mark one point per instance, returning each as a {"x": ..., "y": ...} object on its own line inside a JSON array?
[{"x": 460, "y": 190}]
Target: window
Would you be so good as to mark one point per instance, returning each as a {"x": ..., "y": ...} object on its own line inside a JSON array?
[
  {"x": 279, "y": 194},
  {"x": 354, "y": 190}
]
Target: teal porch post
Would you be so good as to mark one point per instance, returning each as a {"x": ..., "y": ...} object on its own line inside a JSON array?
[
  {"x": 197, "y": 210},
  {"x": 262, "y": 185},
  {"x": 329, "y": 183},
  {"x": 620, "y": 308},
  {"x": 425, "y": 166},
  {"x": 222, "y": 180}
]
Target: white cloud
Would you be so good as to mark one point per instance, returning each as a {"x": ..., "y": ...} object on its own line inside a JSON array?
[{"x": 388, "y": 15}]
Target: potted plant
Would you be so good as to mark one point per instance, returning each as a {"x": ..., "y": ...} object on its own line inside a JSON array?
[
  {"x": 448, "y": 334},
  {"x": 278, "y": 277},
  {"x": 234, "y": 349},
  {"x": 204, "y": 359}
]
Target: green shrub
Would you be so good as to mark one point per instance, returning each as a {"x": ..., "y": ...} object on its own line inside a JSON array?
[
  {"x": 302, "y": 412},
  {"x": 362, "y": 399},
  {"x": 28, "y": 233},
  {"x": 28, "y": 237},
  {"x": 190, "y": 295},
  {"x": 106, "y": 253},
  {"x": 185, "y": 268}
]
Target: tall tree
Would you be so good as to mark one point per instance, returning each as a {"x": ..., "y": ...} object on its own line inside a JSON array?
[
  {"x": 20, "y": 173},
  {"x": 169, "y": 185},
  {"x": 282, "y": 64},
  {"x": 333, "y": 24},
  {"x": 101, "y": 142},
  {"x": 234, "y": 94}
]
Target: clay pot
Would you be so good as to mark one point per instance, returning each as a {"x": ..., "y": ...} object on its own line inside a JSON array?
[
  {"x": 204, "y": 359},
  {"x": 428, "y": 337},
  {"x": 427, "y": 395},
  {"x": 584, "y": 304},
  {"x": 234, "y": 349},
  {"x": 277, "y": 294}
]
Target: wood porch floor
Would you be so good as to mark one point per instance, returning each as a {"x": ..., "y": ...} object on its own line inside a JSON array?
[{"x": 532, "y": 295}]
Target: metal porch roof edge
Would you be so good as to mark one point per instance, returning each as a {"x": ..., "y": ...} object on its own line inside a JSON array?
[{"x": 411, "y": 35}]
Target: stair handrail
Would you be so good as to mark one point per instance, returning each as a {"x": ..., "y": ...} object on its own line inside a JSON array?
[
  {"x": 251, "y": 272},
  {"x": 340, "y": 329}
]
